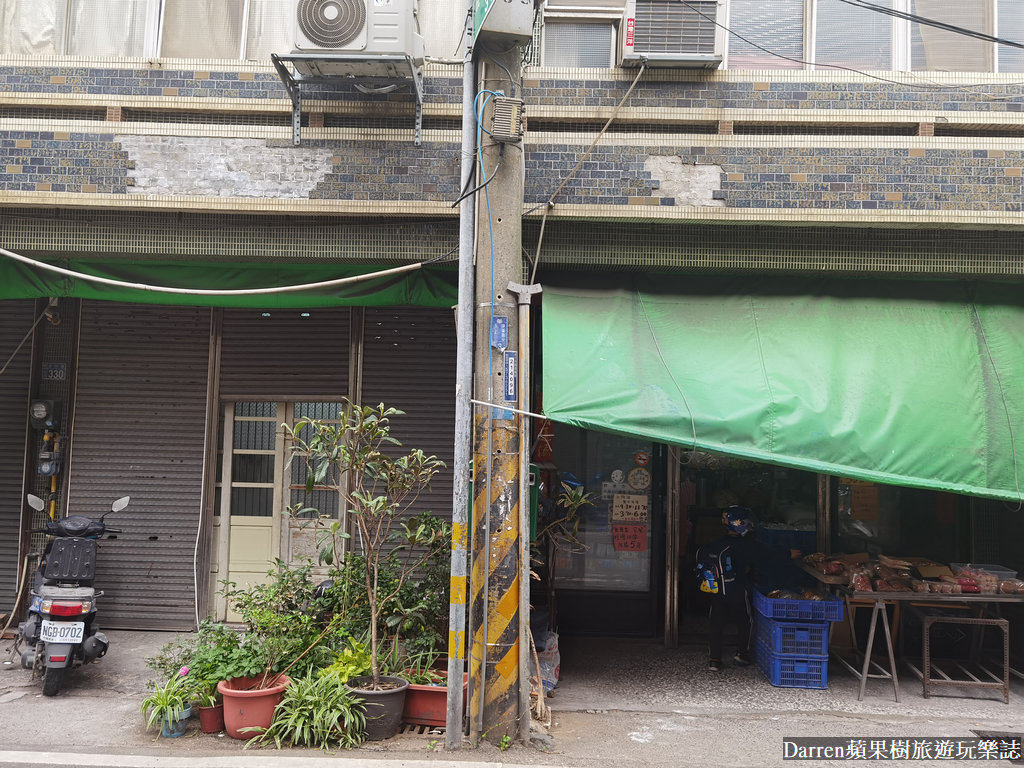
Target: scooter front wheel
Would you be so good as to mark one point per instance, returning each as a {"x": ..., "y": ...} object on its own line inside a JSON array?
[{"x": 53, "y": 680}]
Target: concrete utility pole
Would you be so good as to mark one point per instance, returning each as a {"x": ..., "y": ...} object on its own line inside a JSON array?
[{"x": 497, "y": 577}]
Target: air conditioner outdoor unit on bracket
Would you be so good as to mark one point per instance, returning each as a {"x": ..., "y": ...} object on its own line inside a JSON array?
[
  {"x": 350, "y": 29},
  {"x": 374, "y": 43},
  {"x": 669, "y": 33}
]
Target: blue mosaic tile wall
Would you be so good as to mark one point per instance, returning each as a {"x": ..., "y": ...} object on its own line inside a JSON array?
[
  {"x": 42, "y": 161},
  {"x": 698, "y": 94},
  {"x": 779, "y": 177},
  {"x": 376, "y": 171}
]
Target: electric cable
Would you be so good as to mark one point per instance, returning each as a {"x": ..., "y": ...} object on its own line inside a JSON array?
[
  {"x": 464, "y": 195},
  {"x": 796, "y": 60},
  {"x": 551, "y": 199},
  {"x": 26, "y": 337},
  {"x": 205, "y": 291},
  {"x": 931, "y": 23}
]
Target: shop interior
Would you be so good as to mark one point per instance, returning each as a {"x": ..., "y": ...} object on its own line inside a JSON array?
[{"x": 603, "y": 570}]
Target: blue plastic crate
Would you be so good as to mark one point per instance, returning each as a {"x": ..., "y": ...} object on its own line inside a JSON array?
[
  {"x": 829, "y": 609},
  {"x": 788, "y": 538},
  {"x": 793, "y": 638},
  {"x": 791, "y": 671}
]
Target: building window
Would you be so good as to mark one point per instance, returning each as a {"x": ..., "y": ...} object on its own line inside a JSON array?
[
  {"x": 226, "y": 29},
  {"x": 870, "y": 48},
  {"x": 206, "y": 29},
  {"x": 1010, "y": 23},
  {"x": 78, "y": 27},
  {"x": 578, "y": 44},
  {"x": 766, "y": 34},
  {"x": 781, "y": 34},
  {"x": 943, "y": 50}
]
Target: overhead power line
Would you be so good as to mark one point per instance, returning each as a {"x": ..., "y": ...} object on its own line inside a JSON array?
[{"x": 931, "y": 22}]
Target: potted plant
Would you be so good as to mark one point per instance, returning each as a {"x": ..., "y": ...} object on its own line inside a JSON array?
[
  {"x": 378, "y": 485},
  {"x": 282, "y": 633},
  {"x": 167, "y": 707},
  {"x": 426, "y": 701},
  {"x": 210, "y": 706},
  {"x": 317, "y": 710}
]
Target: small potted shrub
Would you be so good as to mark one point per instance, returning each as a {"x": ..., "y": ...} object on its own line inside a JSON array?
[
  {"x": 167, "y": 707},
  {"x": 359, "y": 459},
  {"x": 210, "y": 705}
]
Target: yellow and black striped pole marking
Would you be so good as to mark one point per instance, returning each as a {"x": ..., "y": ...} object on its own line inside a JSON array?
[{"x": 494, "y": 584}]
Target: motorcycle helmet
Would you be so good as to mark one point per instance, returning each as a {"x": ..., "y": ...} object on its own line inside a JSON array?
[{"x": 738, "y": 519}]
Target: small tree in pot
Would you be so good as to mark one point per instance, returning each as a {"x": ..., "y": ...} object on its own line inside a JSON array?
[{"x": 359, "y": 459}]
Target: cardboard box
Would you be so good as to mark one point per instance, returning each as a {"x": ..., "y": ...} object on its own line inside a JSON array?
[{"x": 932, "y": 571}]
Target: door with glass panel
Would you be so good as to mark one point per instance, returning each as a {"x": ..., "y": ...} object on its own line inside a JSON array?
[{"x": 257, "y": 483}]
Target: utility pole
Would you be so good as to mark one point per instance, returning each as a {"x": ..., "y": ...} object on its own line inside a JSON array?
[{"x": 497, "y": 577}]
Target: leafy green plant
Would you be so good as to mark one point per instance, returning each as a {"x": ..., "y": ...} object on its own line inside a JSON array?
[
  {"x": 316, "y": 711},
  {"x": 505, "y": 743},
  {"x": 167, "y": 703},
  {"x": 286, "y": 628},
  {"x": 420, "y": 670},
  {"x": 352, "y": 661},
  {"x": 212, "y": 653},
  {"x": 356, "y": 458}
]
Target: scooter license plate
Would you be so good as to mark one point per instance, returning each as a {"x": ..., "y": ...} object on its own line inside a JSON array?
[{"x": 62, "y": 631}]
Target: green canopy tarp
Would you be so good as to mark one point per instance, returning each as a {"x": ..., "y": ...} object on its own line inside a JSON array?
[
  {"x": 427, "y": 287},
  {"x": 911, "y": 383}
]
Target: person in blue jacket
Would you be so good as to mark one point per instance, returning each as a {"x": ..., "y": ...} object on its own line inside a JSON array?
[{"x": 725, "y": 566}]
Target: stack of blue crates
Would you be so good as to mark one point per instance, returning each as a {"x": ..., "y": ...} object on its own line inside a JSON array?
[{"x": 791, "y": 639}]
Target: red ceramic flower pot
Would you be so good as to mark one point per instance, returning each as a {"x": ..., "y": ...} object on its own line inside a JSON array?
[
  {"x": 428, "y": 704},
  {"x": 211, "y": 719},
  {"x": 248, "y": 707}
]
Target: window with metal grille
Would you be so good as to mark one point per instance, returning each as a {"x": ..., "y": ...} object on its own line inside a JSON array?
[
  {"x": 578, "y": 44},
  {"x": 766, "y": 35}
]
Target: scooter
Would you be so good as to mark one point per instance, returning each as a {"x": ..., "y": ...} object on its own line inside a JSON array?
[{"x": 61, "y": 630}]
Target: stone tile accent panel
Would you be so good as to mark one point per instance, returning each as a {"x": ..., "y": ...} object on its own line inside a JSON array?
[
  {"x": 391, "y": 171},
  {"x": 54, "y": 161}
]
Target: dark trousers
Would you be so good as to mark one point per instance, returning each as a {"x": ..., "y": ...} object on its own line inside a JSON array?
[{"x": 730, "y": 608}]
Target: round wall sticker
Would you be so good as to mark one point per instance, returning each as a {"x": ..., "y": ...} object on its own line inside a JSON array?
[
  {"x": 642, "y": 458},
  {"x": 617, "y": 476},
  {"x": 639, "y": 478}
]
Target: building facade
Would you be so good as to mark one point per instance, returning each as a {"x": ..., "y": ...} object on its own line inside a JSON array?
[{"x": 161, "y": 152}]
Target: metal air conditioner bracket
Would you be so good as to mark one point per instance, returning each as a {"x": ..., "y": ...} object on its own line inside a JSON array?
[{"x": 370, "y": 73}]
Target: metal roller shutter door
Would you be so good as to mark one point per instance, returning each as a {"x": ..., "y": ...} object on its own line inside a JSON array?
[
  {"x": 139, "y": 428},
  {"x": 283, "y": 354},
  {"x": 16, "y": 319},
  {"x": 409, "y": 364}
]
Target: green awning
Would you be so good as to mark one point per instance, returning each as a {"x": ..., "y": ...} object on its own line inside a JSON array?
[
  {"x": 427, "y": 287},
  {"x": 912, "y": 383}
]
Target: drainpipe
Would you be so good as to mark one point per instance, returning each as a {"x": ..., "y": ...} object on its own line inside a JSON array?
[
  {"x": 464, "y": 330},
  {"x": 525, "y": 294}
]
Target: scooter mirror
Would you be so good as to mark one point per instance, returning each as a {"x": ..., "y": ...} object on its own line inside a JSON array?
[
  {"x": 120, "y": 504},
  {"x": 36, "y": 503}
]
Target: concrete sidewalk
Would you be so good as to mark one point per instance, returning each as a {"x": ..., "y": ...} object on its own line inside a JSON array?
[{"x": 623, "y": 703}]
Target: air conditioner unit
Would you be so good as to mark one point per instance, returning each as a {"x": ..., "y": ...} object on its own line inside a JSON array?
[
  {"x": 347, "y": 35},
  {"x": 670, "y": 33}
]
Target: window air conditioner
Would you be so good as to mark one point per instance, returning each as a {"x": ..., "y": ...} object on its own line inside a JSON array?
[
  {"x": 671, "y": 33},
  {"x": 350, "y": 34}
]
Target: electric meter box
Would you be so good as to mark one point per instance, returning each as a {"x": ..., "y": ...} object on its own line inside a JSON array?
[{"x": 507, "y": 21}]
